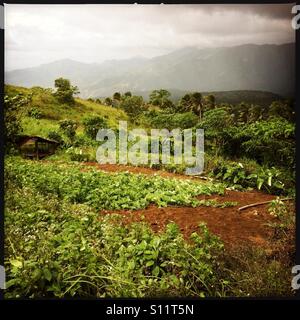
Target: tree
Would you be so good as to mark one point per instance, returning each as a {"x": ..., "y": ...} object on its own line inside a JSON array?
[
  {"x": 127, "y": 94},
  {"x": 64, "y": 91},
  {"x": 242, "y": 113},
  {"x": 214, "y": 123},
  {"x": 159, "y": 119},
  {"x": 283, "y": 109},
  {"x": 209, "y": 102},
  {"x": 192, "y": 102},
  {"x": 133, "y": 106},
  {"x": 197, "y": 104},
  {"x": 117, "y": 96},
  {"x": 108, "y": 101},
  {"x": 92, "y": 124},
  {"x": 185, "y": 103},
  {"x": 68, "y": 127},
  {"x": 269, "y": 142},
  {"x": 13, "y": 107},
  {"x": 161, "y": 99},
  {"x": 255, "y": 113}
]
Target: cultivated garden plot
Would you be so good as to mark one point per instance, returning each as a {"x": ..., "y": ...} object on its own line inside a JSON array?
[
  {"x": 165, "y": 170},
  {"x": 90, "y": 232}
]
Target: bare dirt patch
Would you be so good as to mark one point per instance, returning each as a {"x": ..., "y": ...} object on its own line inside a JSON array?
[{"x": 235, "y": 228}]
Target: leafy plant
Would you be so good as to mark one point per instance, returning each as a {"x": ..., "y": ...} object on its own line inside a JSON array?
[
  {"x": 108, "y": 191},
  {"x": 277, "y": 208},
  {"x": 267, "y": 179},
  {"x": 58, "y": 249},
  {"x": 68, "y": 127},
  {"x": 35, "y": 113},
  {"x": 77, "y": 155}
]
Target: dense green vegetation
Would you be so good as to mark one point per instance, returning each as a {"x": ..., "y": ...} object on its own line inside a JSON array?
[
  {"x": 261, "y": 98},
  {"x": 103, "y": 191},
  {"x": 52, "y": 111},
  {"x": 71, "y": 252},
  {"x": 58, "y": 245},
  {"x": 265, "y": 134}
]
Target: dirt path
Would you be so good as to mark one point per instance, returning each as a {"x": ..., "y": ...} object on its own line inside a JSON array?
[{"x": 233, "y": 227}]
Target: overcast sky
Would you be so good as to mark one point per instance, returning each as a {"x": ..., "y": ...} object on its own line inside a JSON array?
[{"x": 37, "y": 34}]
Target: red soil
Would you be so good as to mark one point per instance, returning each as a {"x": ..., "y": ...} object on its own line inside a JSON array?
[
  {"x": 232, "y": 226},
  {"x": 132, "y": 169}
]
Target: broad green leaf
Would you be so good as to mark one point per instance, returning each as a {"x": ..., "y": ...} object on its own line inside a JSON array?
[{"x": 16, "y": 263}]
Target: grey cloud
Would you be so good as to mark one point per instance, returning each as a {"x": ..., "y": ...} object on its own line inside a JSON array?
[{"x": 92, "y": 33}]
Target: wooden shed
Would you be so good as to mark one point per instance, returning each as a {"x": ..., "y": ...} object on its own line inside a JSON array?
[{"x": 36, "y": 147}]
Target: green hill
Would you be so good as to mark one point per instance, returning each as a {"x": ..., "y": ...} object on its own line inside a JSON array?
[{"x": 51, "y": 111}]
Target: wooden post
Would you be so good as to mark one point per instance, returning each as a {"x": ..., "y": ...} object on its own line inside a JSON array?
[{"x": 36, "y": 150}]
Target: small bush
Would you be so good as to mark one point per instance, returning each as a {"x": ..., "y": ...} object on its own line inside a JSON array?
[
  {"x": 271, "y": 180},
  {"x": 68, "y": 127},
  {"x": 92, "y": 124},
  {"x": 77, "y": 155},
  {"x": 81, "y": 140},
  {"x": 54, "y": 135},
  {"x": 35, "y": 113}
]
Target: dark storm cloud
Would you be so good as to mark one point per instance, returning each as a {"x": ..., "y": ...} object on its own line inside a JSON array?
[
  {"x": 281, "y": 12},
  {"x": 272, "y": 11},
  {"x": 38, "y": 34}
]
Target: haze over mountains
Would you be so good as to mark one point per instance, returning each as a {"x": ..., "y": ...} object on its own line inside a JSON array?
[{"x": 246, "y": 67}]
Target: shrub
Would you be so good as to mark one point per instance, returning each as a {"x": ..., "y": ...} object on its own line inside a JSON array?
[
  {"x": 77, "y": 155},
  {"x": 92, "y": 124},
  {"x": 81, "y": 140},
  {"x": 133, "y": 106},
  {"x": 271, "y": 180},
  {"x": 270, "y": 142},
  {"x": 34, "y": 113},
  {"x": 68, "y": 127},
  {"x": 54, "y": 135}
]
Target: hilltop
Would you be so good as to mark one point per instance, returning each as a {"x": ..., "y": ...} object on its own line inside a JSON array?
[{"x": 51, "y": 111}]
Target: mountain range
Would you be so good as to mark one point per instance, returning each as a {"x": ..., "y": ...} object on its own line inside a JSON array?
[{"x": 246, "y": 67}]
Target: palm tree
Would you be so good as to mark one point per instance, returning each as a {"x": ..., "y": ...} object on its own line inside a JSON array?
[
  {"x": 210, "y": 102},
  {"x": 185, "y": 103},
  {"x": 197, "y": 104}
]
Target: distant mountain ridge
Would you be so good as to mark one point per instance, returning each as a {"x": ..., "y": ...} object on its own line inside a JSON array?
[{"x": 268, "y": 68}]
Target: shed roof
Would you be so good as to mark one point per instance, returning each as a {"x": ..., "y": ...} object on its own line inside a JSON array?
[{"x": 25, "y": 138}]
